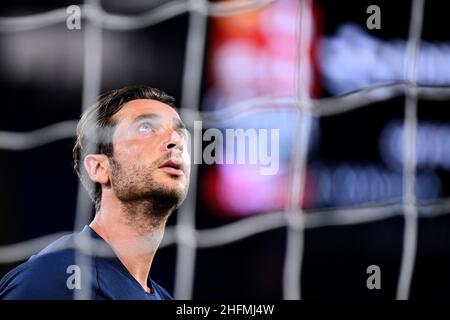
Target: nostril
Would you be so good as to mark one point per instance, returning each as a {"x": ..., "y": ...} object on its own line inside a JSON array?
[{"x": 171, "y": 145}]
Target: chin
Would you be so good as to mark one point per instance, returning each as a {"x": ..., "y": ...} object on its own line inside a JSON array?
[
  {"x": 174, "y": 182},
  {"x": 180, "y": 192},
  {"x": 174, "y": 187}
]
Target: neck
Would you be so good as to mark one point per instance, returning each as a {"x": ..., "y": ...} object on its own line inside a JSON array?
[{"x": 132, "y": 231}]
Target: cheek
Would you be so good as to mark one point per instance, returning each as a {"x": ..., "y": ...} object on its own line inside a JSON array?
[
  {"x": 187, "y": 160},
  {"x": 135, "y": 151},
  {"x": 186, "y": 157}
]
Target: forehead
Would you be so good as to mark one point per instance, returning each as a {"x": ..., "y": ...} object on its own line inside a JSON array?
[{"x": 135, "y": 108}]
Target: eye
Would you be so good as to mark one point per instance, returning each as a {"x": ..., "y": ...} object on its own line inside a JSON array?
[{"x": 145, "y": 127}]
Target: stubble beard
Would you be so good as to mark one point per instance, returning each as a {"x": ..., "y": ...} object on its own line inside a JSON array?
[{"x": 147, "y": 203}]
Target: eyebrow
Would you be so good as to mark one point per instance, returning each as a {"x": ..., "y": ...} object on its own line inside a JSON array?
[
  {"x": 146, "y": 116},
  {"x": 179, "y": 124}
]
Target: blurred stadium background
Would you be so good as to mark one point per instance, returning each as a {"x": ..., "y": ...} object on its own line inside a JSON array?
[{"x": 344, "y": 198}]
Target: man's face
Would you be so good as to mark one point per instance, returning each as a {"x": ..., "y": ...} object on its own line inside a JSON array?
[{"x": 150, "y": 158}]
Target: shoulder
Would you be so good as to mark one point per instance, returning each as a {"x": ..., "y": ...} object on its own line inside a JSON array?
[
  {"x": 42, "y": 277},
  {"x": 48, "y": 275}
]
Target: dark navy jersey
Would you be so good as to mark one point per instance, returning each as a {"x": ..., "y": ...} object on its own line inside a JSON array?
[{"x": 61, "y": 272}]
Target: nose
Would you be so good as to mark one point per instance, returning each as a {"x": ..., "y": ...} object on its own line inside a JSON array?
[{"x": 174, "y": 141}]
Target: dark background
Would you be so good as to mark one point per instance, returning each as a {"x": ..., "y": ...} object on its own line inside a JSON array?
[{"x": 38, "y": 188}]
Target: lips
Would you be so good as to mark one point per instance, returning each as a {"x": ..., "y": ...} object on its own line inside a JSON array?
[{"x": 173, "y": 167}]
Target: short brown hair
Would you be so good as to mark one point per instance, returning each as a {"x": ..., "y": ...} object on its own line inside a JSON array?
[{"x": 96, "y": 128}]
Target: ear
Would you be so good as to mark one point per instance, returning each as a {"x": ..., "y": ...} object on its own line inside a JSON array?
[{"x": 97, "y": 167}]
